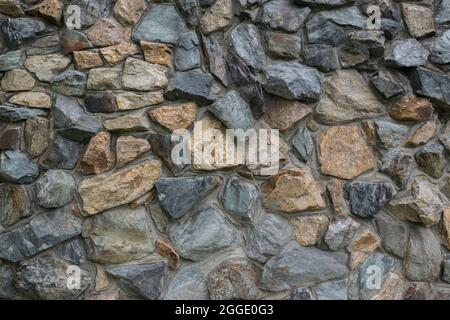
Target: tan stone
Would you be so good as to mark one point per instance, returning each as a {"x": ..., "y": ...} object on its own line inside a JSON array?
[
  {"x": 98, "y": 157},
  {"x": 104, "y": 79},
  {"x": 128, "y": 12},
  {"x": 36, "y": 135},
  {"x": 131, "y": 100},
  {"x": 119, "y": 52},
  {"x": 336, "y": 192},
  {"x": 11, "y": 7},
  {"x": 179, "y": 116},
  {"x": 47, "y": 66},
  {"x": 50, "y": 10},
  {"x": 143, "y": 200},
  {"x": 446, "y": 227},
  {"x": 218, "y": 16},
  {"x": 424, "y": 133},
  {"x": 32, "y": 99},
  {"x": 308, "y": 229},
  {"x": 164, "y": 249},
  {"x": 143, "y": 76},
  {"x": 17, "y": 80},
  {"x": 293, "y": 190},
  {"x": 106, "y": 32},
  {"x": 418, "y": 19},
  {"x": 107, "y": 191},
  {"x": 370, "y": 131},
  {"x": 393, "y": 288},
  {"x": 101, "y": 279},
  {"x": 344, "y": 153},
  {"x": 137, "y": 121},
  {"x": 158, "y": 53},
  {"x": 284, "y": 114},
  {"x": 87, "y": 59},
  {"x": 129, "y": 148},
  {"x": 362, "y": 245},
  {"x": 412, "y": 109}
]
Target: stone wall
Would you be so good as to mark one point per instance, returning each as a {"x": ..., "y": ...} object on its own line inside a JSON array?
[{"x": 89, "y": 191}]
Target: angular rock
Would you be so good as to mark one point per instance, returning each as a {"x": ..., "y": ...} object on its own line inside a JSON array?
[
  {"x": 439, "y": 48},
  {"x": 136, "y": 121},
  {"x": 215, "y": 54},
  {"x": 164, "y": 249},
  {"x": 98, "y": 157},
  {"x": 17, "y": 80},
  {"x": 308, "y": 229},
  {"x": 87, "y": 59},
  {"x": 131, "y": 101},
  {"x": 424, "y": 133},
  {"x": 430, "y": 159},
  {"x": 340, "y": 233},
  {"x": 433, "y": 85},
  {"x": 104, "y": 79},
  {"x": 362, "y": 246},
  {"x": 394, "y": 234},
  {"x": 386, "y": 84},
  {"x": 14, "y": 204},
  {"x": 50, "y": 10},
  {"x": 233, "y": 111},
  {"x": 16, "y": 167},
  {"x": 36, "y": 135},
  {"x": 100, "y": 102},
  {"x": 189, "y": 282},
  {"x": 406, "y": 53},
  {"x": 32, "y": 99},
  {"x": 143, "y": 76},
  {"x": 46, "y": 66},
  {"x": 346, "y": 16},
  {"x": 187, "y": 54},
  {"x": 332, "y": 290},
  {"x": 157, "y": 53},
  {"x": 63, "y": 154},
  {"x": 7, "y": 288},
  {"x": 241, "y": 198},
  {"x": 91, "y": 11},
  {"x": 324, "y": 57},
  {"x": 443, "y": 12},
  {"x": 70, "y": 83},
  {"x": 11, "y": 60},
  {"x": 285, "y": 46},
  {"x": 129, "y": 148},
  {"x": 359, "y": 46},
  {"x": 72, "y": 40},
  {"x": 13, "y": 113},
  {"x": 9, "y": 137},
  {"x": 411, "y": 109},
  {"x": 282, "y": 15},
  {"x": 284, "y": 114},
  {"x": 322, "y": 31},
  {"x": 173, "y": 117},
  {"x": 192, "y": 85},
  {"x": 398, "y": 165},
  {"x": 107, "y": 32},
  {"x": 246, "y": 42},
  {"x": 116, "y": 53},
  {"x": 55, "y": 189},
  {"x": 446, "y": 228},
  {"x": 418, "y": 19},
  {"x": 390, "y": 134},
  {"x": 162, "y": 146},
  {"x": 218, "y": 16},
  {"x": 128, "y": 12},
  {"x": 303, "y": 143},
  {"x": 19, "y": 30},
  {"x": 11, "y": 8}
]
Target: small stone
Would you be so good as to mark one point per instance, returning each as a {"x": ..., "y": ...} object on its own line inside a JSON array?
[
  {"x": 241, "y": 198},
  {"x": 430, "y": 159},
  {"x": 72, "y": 40},
  {"x": 309, "y": 229},
  {"x": 50, "y": 10},
  {"x": 446, "y": 228},
  {"x": 14, "y": 204},
  {"x": 32, "y": 99},
  {"x": 162, "y": 146},
  {"x": 215, "y": 53},
  {"x": 9, "y": 137},
  {"x": 324, "y": 57},
  {"x": 16, "y": 167},
  {"x": 193, "y": 85},
  {"x": 13, "y": 113},
  {"x": 91, "y": 11},
  {"x": 104, "y": 79},
  {"x": 157, "y": 53},
  {"x": 322, "y": 3},
  {"x": 233, "y": 111},
  {"x": 188, "y": 283},
  {"x": 285, "y": 46},
  {"x": 332, "y": 290},
  {"x": 143, "y": 76},
  {"x": 336, "y": 193},
  {"x": 55, "y": 189},
  {"x": 284, "y": 114},
  {"x": 107, "y": 191},
  {"x": 136, "y": 121},
  {"x": 131, "y": 101},
  {"x": 47, "y": 66},
  {"x": 394, "y": 234},
  {"x": 446, "y": 269},
  {"x": 187, "y": 54},
  {"x": 19, "y": 30},
  {"x": 17, "y": 80},
  {"x": 418, "y": 19},
  {"x": 282, "y": 15},
  {"x": 63, "y": 154},
  {"x": 178, "y": 195},
  {"x": 433, "y": 85},
  {"x": 246, "y": 43},
  {"x": 11, "y": 8},
  {"x": 45, "y": 45},
  {"x": 359, "y": 46},
  {"x": 386, "y": 84},
  {"x": 107, "y": 32},
  {"x": 303, "y": 143},
  {"x": 128, "y": 12},
  {"x": 343, "y": 152},
  {"x": 100, "y": 102},
  {"x": 165, "y": 250},
  {"x": 119, "y": 52},
  {"x": 390, "y": 134},
  {"x": 11, "y": 60},
  {"x": 87, "y": 59},
  {"x": 70, "y": 83},
  {"x": 36, "y": 135},
  {"x": 398, "y": 165},
  {"x": 406, "y": 53},
  {"x": 98, "y": 157},
  {"x": 129, "y": 148},
  {"x": 361, "y": 247},
  {"x": 340, "y": 233},
  {"x": 7, "y": 288},
  {"x": 322, "y": 31},
  {"x": 173, "y": 117},
  {"x": 218, "y": 16},
  {"x": 439, "y": 48}
]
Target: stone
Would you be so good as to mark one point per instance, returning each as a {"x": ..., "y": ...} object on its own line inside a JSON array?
[
  {"x": 91, "y": 11},
  {"x": 129, "y": 148},
  {"x": 173, "y": 117},
  {"x": 14, "y": 204},
  {"x": 322, "y": 31},
  {"x": 398, "y": 165},
  {"x": 9, "y": 137},
  {"x": 233, "y": 111},
  {"x": 285, "y": 46},
  {"x": 233, "y": 279},
  {"x": 424, "y": 133},
  {"x": 347, "y": 98},
  {"x": 7, "y": 288},
  {"x": 45, "y": 45},
  {"x": 87, "y": 59},
  {"x": 178, "y": 195},
  {"x": 420, "y": 203},
  {"x": 439, "y": 48},
  {"x": 267, "y": 238},
  {"x": 116, "y": 53},
  {"x": 346, "y": 16},
  {"x": 32, "y": 99},
  {"x": 386, "y": 84},
  {"x": 136, "y": 121},
  {"x": 430, "y": 159},
  {"x": 143, "y": 76},
  {"x": 107, "y": 191},
  {"x": 423, "y": 255},
  {"x": 362, "y": 246},
  {"x": 188, "y": 283},
  {"x": 411, "y": 109},
  {"x": 11, "y": 60},
  {"x": 446, "y": 270},
  {"x": 161, "y": 23},
  {"x": 107, "y": 32},
  {"x": 11, "y": 8},
  {"x": 143, "y": 280},
  {"x": 43, "y": 231},
  {"x": 336, "y": 193},
  {"x": 446, "y": 227},
  {"x": 321, "y": 56},
  {"x": 241, "y": 197},
  {"x": 406, "y": 53},
  {"x": 343, "y": 152},
  {"x": 70, "y": 83},
  {"x": 393, "y": 233},
  {"x": 63, "y": 154},
  {"x": 303, "y": 143},
  {"x": 98, "y": 157},
  {"x": 299, "y": 266},
  {"x": 309, "y": 229},
  {"x": 118, "y": 235},
  {"x": 215, "y": 54},
  {"x": 359, "y": 46},
  {"x": 55, "y": 189},
  {"x": 104, "y": 79},
  {"x": 284, "y": 114},
  {"x": 131, "y": 100},
  {"x": 442, "y": 12},
  {"x": 187, "y": 54},
  {"x": 431, "y": 84},
  {"x": 72, "y": 40},
  {"x": 418, "y": 19},
  {"x": 100, "y": 102},
  {"x": 390, "y": 134},
  {"x": 340, "y": 233},
  {"x": 292, "y": 80},
  {"x": 323, "y": 3},
  {"x": 45, "y": 67},
  {"x": 202, "y": 234},
  {"x": 17, "y": 31},
  {"x": 13, "y": 113},
  {"x": 164, "y": 249},
  {"x": 50, "y": 10},
  {"x": 217, "y": 16},
  {"x": 162, "y": 146},
  {"x": 16, "y": 167},
  {"x": 332, "y": 290},
  {"x": 128, "y": 12},
  {"x": 246, "y": 42},
  {"x": 293, "y": 190},
  {"x": 17, "y": 80},
  {"x": 36, "y": 135},
  {"x": 282, "y": 15},
  {"x": 157, "y": 53},
  {"x": 190, "y": 11},
  {"x": 193, "y": 85}
]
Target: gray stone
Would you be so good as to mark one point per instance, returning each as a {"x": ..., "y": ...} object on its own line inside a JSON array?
[
  {"x": 10, "y": 136},
  {"x": 144, "y": 279},
  {"x": 267, "y": 238},
  {"x": 44, "y": 45},
  {"x": 299, "y": 266},
  {"x": 322, "y": 31},
  {"x": 70, "y": 83},
  {"x": 303, "y": 143},
  {"x": 430, "y": 159},
  {"x": 398, "y": 165},
  {"x": 340, "y": 233},
  {"x": 445, "y": 269},
  {"x": 190, "y": 85},
  {"x": 7, "y": 288},
  {"x": 188, "y": 283},
  {"x": 55, "y": 188},
  {"x": 14, "y": 204},
  {"x": 393, "y": 233},
  {"x": 178, "y": 195},
  {"x": 323, "y": 57},
  {"x": 406, "y": 53},
  {"x": 439, "y": 48},
  {"x": 16, "y": 167},
  {"x": 162, "y": 146},
  {"x": 391, "y": 27},
  {"x": 187, "y": 55},
  {"x": 443, "y": 12},
  {"x": 390, "y": 134},
  {"x": 19, "y": 30},
  {"x": 161, "y": 23},
  {"x": 386, "y": 84},
  {"x": 14, "y": 113},
  {"x": 332, "y": 290},
  {"x": 246, "y": 43},
  {"x": 241, "y": 198},
  {"x": 216, "y": 58},
  {"x": 359, "y": 46},
  {"x": 368, "y": 198},
  {"x": 44, "y": 231},
  {"x": 72, "y": 40},
  {"x": 11, "y": 60},
  {"x": 282, "y": 15},
  {"x": 282, "y": 45},
  {"x": 300, "y": 294},
  {"x": 190, "y": 11},
  {"x": 347, "y": 16},
  {"x": 202, "y": 234},
  {"x": 292, "y": 80},
  {"x": 91, "y": 11},
  {"x": 323, "y": 3},
  {"x": 233, "y": 111},
  {"x": 431, "y": 84},
  {"x": 63, "y": 154}
]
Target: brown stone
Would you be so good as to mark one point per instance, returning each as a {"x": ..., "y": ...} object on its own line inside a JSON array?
[
  {"x": 424, "y": 133},
  {"x": 370, "y": 131},
  {"x": 128, "y": 12},
  {"x": 36, "y": 135},
  {"x": 98, "y": 157},
  {"x": 14, "y": 204},
  {"x": 50, "y": 10},
  {"x": 72, "y": 40},
  {"x": 137, "y": 121},
  {"x": 87, "y": 59},
  {"x": 131, "y": 100},
  {"x": 308, "y": 229},
  {"x": 336, "y": 192},
  {"x": 119, "y": 52},
  {"x": 412, "y": 109},
  {"x": 106, "y": 32},
  {"x": 344, "y": 153},
  {"x": 218, "y": 16},
  {"x": 143, "y": 200},
  {"x": 129, "y": 148},
  {"x": 363, "y": 244},
  {"x": 179, "y": 116},
  {"x": 101, "y": 279},
  {"x": 106, "y": 191},
  {"x": 165, "y": 250},
  {"x": 32, "y": 99},
  {"x": 293, "y": 190},
  {"x": 17, "y": 80},
  {"x": 11, "y": 8},
  {"x": 418, "y": 19},
  {"x": 47, "y": 66},
  {"x": 104, "y": 79},
  {"x": 446, "y": 227},
  {"x": 9, "y": 137},
  {"x": 158, "y": 53},
  {"x": 393, "y": 288},
  {"x": 284, "y": 114}
]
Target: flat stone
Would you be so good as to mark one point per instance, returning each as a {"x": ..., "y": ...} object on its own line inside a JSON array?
[
  {"x": 32, "y": 99},
  {"x": 386, "y": 84},
  {"x": 50, "y": 10},
  {"x": 173, "y": 117},
  {"x": 143, "y": 76},
  {"x": 11, "y": 8},
  {"x": 55, "y": 189},
  {"x": 362, "y": 246},
  {"x": 309, "y": 229},
  {"x": 346, "y": 16},
  {"x": 36, "y": 135},
  {"x": 218, "y": 16},
  {"x": 343, "y": 152},
  {"x": 116, "y": 53},
  {"x": 433, "y": 85},
  {"x": 424, "y": 133},
  {"x": 178, "y": 195},
  {"x": 439, "y": 48},
  {"x": 390, "y": 134},
  {"x": 100, "y": 102},
  {"x": 282, "y": 15},
  {"x": 393, "y": 233},
  {"x": 430, "y": 159},
  {"x": 16, "y": 167},
  {"x": 324, "y": 57},
  {"x": 136, "y": 121},
  {"x": 107, "y": 32},
  {"x": 128, "y": 12},
  {"x": 107, "y": 191},
  {"x": 303, "y": 143},
  {"x": 104, "y": 79},
  {"x": 281, "y": 45},
  {"x": 322, "y": 31},
  {"x": 340, "y": 233},
  {"x": 398, "y": 165},
  {"x": 446, "y": 228},
  {"x": 233, "y": 111},
  {"x": 284, "y": 114},
  {"x": 19, "y": 30},
  {"x": 70, "y": 83},
  {"x": 202, "y": 234},
  {"x": 188, "y": 283},
  {"x": 14, "y": 204},
  {"x": 193, "y": 85},
  {"x": 241, "y": 198},
  {"x": 17, "y": 80},
  {"x": 118, "y": 235},
  {"x": 87, "y": 59},
  {"x": 406, "y": 53},
  {"x": 157, "y": 53},
  {"x": 129, "y": 148},
  {"x": 47, "y": 66},
  {"x": 332, "y": 290},
  {"x": 246, "y": 42},
  {"x": 91, "y": 11},
  {"x": 45, "y": 45},
  {"x": 131, "y": 101},
  {"x": 63, "y": 154},
  {"x": 418, "y": 19},
  {"x": 98, "y": 157},
  {"x": 9, "y": 137},
  {"x": 72, "y": 40},
  {"x": 11, "y": 60},
  {"x": 42, "y": 232},
  {"x": 13, "y": 113},
  {"x": 412, "y": 109},
  {"x": 187, "y": 54}
]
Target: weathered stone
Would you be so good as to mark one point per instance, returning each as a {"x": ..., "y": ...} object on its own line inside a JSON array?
[
  {"x": 173, "y": 117},
  {"x": 282, "y": 45},
  {"x": 394, "y": 234},
  {"x": 116, "y": 53},
  {"x": 390, "y": 134},
  {"x": 17, "y": 80},
  {"x": 430, "y": 159},
  {"x": 107, "y": 32},
  {"x": 63, "y": 154},
  {"x": 439, "y": 48},
  {"x": 359, "y": 46},
  {"x": 7, "y": 288},
  {"x": 340, "y": 233},
  {"x": 233, "y": 111},
  {"x": 55, "y": 189},
  {"x": 418, "y": 19},
  {"x": 70, "y": 83},
  {"x": 190, "y": 11},
  {"x": 11, "y": 60},
  {"x": 157, "y": 53},
  {"x": 98, "y": 157},
  {"x": 9, "y": 137},
  {"x": 119, "y": 235},
  {"x": 104, "y": 79},
  {"x": 11, "y": 8},
  {"x": 192, "y": 85},
  {"x": 178, "y": 195},
  {"x": 32, "y": 99},
  {"x": 129, "y": 148},
  {"x": 443, "y": 12},
  {"x": 47, "y": 66},
  {"x": 202, "y": 234},
  {"x": 91, "y": 11},
  {"x": 398, "y": 166},
  {"x": 162, "y": 146},
  {"x": 19, "y": 30},
  {"x": 241, "y": 198},
  {"x": 143, "y": 76},
  {"x": 446, "y": 228},
  {"x": 324, "y": 57},
  {"x": 128, "y": 12},
  {"x": 344, "y": 153},
  {"x": 362, "y": 246},
  {"x": 346, "y": 16},
  {"x": 336, "y": 192},
  {"x": 36, "y": 135},
  {"x": 42, "y": 232},
  {"x": 309, "y": 229},
  {"x": 164, "y": 249},
  {"x": 322, "y": 31},
  {"x": 14, "y": 204},
  {"x": 187, "y": 54},
  {"x": 406, "y": 53},
  {"x": 131, "y": 101},
  {"x": 87, "y": 59},
  {"x": 282, "y": 15},
  {"x": 216, "y": 53},
  {"x": 424, "y": 133},
  {"x": 433, "y": 85},
  {"x": 136, "y": 121},
  {"x": 386, "y": 84},
  {"x": 303, "y": 143},
  {"x": 72, "y": 40},
  {"x": 323, "y": 3},
  {"x": 188, "y": 283},
  {"x": 13, "y": 113},
  {"x": 100, "y": 102},
  {"x": 284, "y": 114},
  {"x": 50, "y": 10},
  {"x": 246, "y": 43},
  {"x": 348, "y": 98},
  {"x": 45, "y": 45},
  {"x": 446, "y": 269},
  {"x": 332, "y": 290},
  {"x": 412, "y": 109},
  {"x": 218, "y": 16},
  {"x": 16, "y": 167}
]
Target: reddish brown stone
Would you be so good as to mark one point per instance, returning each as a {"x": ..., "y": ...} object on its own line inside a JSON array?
[
  {"x": 412, "y": 108},
  {"x": 284, "y": 114},
  {"x": 158, "y": 53},
  {"x": 98, "y": 157},
  {"x": 165, "y": 250},
  {"x": 106, "y": 32}
]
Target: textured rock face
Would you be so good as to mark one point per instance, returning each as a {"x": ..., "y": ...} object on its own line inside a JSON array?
[
  {"x": 308, "y": 230},
  {"x": 246, "y": 42},
  {"x": 233, "y": 111},
  {"x": 129, "y": 148},
  {"x": 14, "y": 204},
  {"x": 98, "y": 157},
  {"x": 241, "y": 198},
  {"x": 142, "y": 76},
  {"x": 16, "y": 167},
  {"x": 175, "y": 117},
  {"x": 55, "y": 188}
]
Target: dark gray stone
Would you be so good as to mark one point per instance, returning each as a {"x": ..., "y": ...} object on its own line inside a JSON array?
[
  {"x": 391, "y": 28},
  {"x": 70, "y": 83},
  {"x": 216, "y": 58},
  {"x": 13, "y": 113},
  {"x": 439, "y": 48},
  {"x": 72, "y": 40},
  {"x": 187, "y": 55},
  {"x": 430, "y": 159},
  {"x": 300, "y": 294},
  {"x": 188, "y": 283},
  {"x": 19, "y": 30},
  {"x": 241, "y": 198},
  {"x": 91, "y": 11},
  {"x": 16, "y": 167},
  {"x": 386, "y": 84},
  {"x": 340, "y": 233},
  {"x": 446, "y": 269},
  {"x": 233, "y": 111},
  {"x": 393, "y": 234},
  {"x": 359, "y": 46},
  {"x": 323, "y": 57},
  {"x": 100, "y": 102},
  {"x": 178, "y": 195},
  {"x": 14, "y": 204},
  {"x": 10, "y": 136},
  {"x": 323, "y": 3},
  {"x": 246, "y": 43},
  {"x": 390, "y": 134},
  {"x": 7, "y": 288},
  {"x": 44, "y": 45},
  {"x": 63, "y": 154},
  {"x": 398, "y": 165},
  {"x": 281, "y": 45},
  {"x": 282, "y": 15},
  {"x": 190, "y": 85},
  {"x": 347, "y": 16},
  {"x": 11, "y": 60},
  {"x": 431, "y": 84},
  {"x": 162, "y": 146},
  {"x": 406, "y": 53},
  {"x": 332, "y": 290},
  {"x": 322, "y": 31},
  {"x": 190, "y": 11},
  {"x": 55, "y": 188},
  {"x": 303, "y": 143}
]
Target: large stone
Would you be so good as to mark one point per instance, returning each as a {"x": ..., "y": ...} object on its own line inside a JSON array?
[
  {"x": 324, "y": 57},
  {"x": 173, "y": 117},
  {"x": 246, "y": 43},
  {"x": 50, "y": 10},
  {"x": 309, "y": 229},
  {"x": 128, "y": 12},
  {"x": 11, "y": 8},
  {"x": 343, "y": 152},
  {"x": 14, "y": 204},
  {"x": 411, "y": 109},
  {"x": 100, "y": 102},
  {"x": 63, "y": 154},
  {"x": 386, "y": 83},
  {"x": 98, "y": 157},
  {"x": 32, "y": 99},
  {"x": 70, "y": 83},
  {"x": 157, "y": 53},
  {"x": 418, "y": 19},
  {"x": 285, "y": 46},
  {"x": 107, "y": 32},
  {"x": 303, "y": 143},
  {"x": 107, "y": 191},
  {"x": 131, "y": 100},
  {"x": 104, "y": 79},
  {"x": 91, "y": 11},
  {"x": 393, "y": 233},
  {"x": 55, "y": 188},
  {"x": 136, "y": 121},
  {"x": 284, "y": 114},
  {"x": 19, "y": 30},
  {"x": 17, "y": 80},
  {"x": 119, "y": 235},
  {"x": 406, "y": 53},
  {"x": 241, "y": 198},
  {"x": 16, "y": 167},
  {"x": 322, "y": 31},
  {"x": 192, "y": 85},
  {"x": 72, "y": 40},
  {"x": 362, "y": 246},
  {"x": 13, "y": 113},
  {"x": 431, "y": 84},
  {"x": 116, "y": 53},
  {"x": 129, "y": 148},
  {"x": 233, "y": 111},
  {"x": 11, "y": 60},
  {"x": 87, "y": 59},
  {"x": 143, "y": 76},
  {"x": 47, "y": 66},
  {"x": 439, "y": 48},
  {"x": 36, "y": 135},
  {"x": 282, "y": 15},
  {"x": 398, "y": 165},
  {"x": 178, "y": 195},
  {"x": 218, "y": 16},
  {"x": 430, "y": 159}
]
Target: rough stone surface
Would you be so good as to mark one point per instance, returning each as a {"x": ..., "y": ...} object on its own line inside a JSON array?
[
  {"x": 13, "y": 113},
  {"x": 128, "y": 12},
  {"x": 362, "y": 246},
  {"x": 309, "y": 229},
  {"x": 14, "y": 204},
  {"x": 47, "y": 66},
  {"x": 98, "y": 157},
  {"x": 190, "y": 85},
  {"x": 136, "y": 121},
  {"x": 70, "y": 83},
  {"x": 324, "y": 57},
  {"x": 398, "y": 165},
  {"x": 16, "y": 167},
  {"x": 17, "y": 80},
  {"x": 36, "y": 135},
  {"x": 430, "y": 159},
  {"x": 55, "y": 188},
  {"x": 131, "y": 101},
  {"x": 129, "y": 148},
  {"x": 284, "y": 114},
  {"x": 63, "y": 154},
  {"x": 143, "y": 76},
  {"x": 218, "y": 16},
  {"x": 157, "y": 53},
  {"x": 283, "y": 45},
  {"x": 418, "y": 19},
  {"x": 282, "y": 15},
  {"x": 32, "y": 99},
  {"x": 406, "y": 53},
  {"x": 233, "y": 111},
  {"x": 303, "y": 143},
  {"x": 173, "y": 117},
  {"x": 433, "y": 85},
  {"x": 394, "y": 234},
  {"x": 107, "y": 32},
  {"x": 241, "y": 198},
  {"x": 247, "y": 44}
]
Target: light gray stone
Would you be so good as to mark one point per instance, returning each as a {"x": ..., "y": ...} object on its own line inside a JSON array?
[
  {"x": 55, "y": 188},
  {"x": 16, "y": 167},
  {"x": 241, "y": 198},
  {"x": 233, "y": 111},
  {"x": 406, "y": 53},
  {"x": 246, "y": 43}
]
